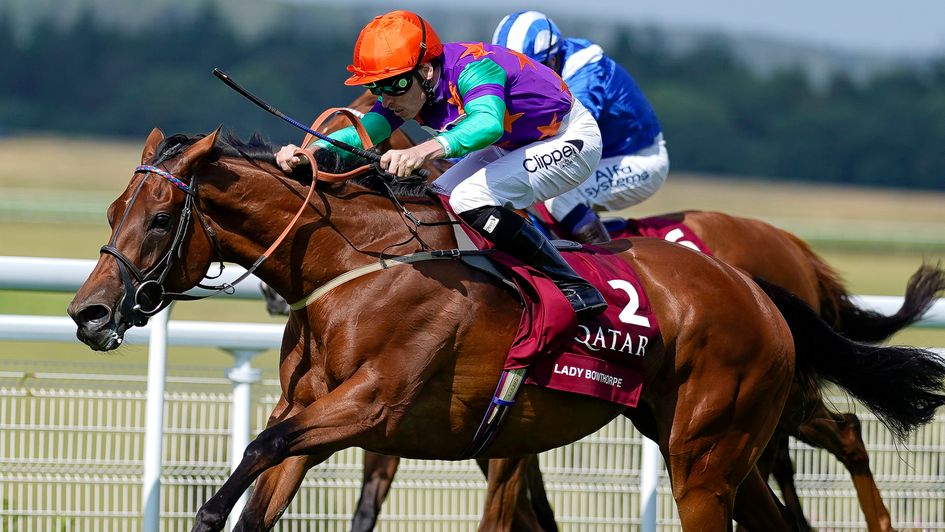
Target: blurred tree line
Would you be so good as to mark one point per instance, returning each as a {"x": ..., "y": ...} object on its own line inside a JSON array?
[{"x": 718, "y": 115}]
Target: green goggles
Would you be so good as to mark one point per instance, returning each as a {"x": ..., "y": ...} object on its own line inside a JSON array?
[{"x": 396, "y": 86}]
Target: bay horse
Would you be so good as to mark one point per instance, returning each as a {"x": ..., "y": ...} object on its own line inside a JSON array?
[
  {"x": 761, "y": 250},
  {"x": 404, "y": 360},
  {"x": 790, "y": 263}
]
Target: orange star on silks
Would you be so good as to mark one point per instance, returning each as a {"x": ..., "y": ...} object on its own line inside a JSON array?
[
  {"x": 454, "y": 98},
  {"x": 523, "y": 60},
  {"x": 551, "y": 129},
  {"x": 474, "y": 49},
  {"x": 510, "y": 119}
]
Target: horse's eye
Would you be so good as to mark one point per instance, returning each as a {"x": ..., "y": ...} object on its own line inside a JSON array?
[{"x": 161, "y": 221}]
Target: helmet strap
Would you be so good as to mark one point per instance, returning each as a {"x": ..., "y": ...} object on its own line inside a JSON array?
[
  {"x": 423, "y": 42},
  {"x": 426, "y": 85}
]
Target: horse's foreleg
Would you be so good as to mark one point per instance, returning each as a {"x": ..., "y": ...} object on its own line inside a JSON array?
[
  {"x": 332, "y": 422},
  {"x": 273, "y": 493},
  {"x": 840, "y": 435},
  {"x": 277, "y": 485},
  {"x": 507, "y": 506},
  {"x": 379, "y": 471}
]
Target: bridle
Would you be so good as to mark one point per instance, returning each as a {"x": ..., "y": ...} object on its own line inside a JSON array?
[{"x": 149, "y": 296}]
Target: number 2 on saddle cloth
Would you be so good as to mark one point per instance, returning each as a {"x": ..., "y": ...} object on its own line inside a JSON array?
[{"x": 601, "y": 357}]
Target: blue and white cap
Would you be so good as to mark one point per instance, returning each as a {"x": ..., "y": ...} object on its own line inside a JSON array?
[{"x": 529, "y": 32}]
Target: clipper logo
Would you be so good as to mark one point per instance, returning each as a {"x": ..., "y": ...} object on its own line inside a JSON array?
[{"x": 562, "y": 157}]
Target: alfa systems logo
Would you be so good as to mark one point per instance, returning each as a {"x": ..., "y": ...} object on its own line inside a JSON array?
[{"x": 556, "y": 157}]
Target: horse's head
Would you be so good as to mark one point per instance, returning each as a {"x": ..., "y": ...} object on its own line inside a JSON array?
[{"x": 159, "y": 245}]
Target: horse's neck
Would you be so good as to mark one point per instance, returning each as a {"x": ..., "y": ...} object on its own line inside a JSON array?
[{"x": 341, "y": 230}]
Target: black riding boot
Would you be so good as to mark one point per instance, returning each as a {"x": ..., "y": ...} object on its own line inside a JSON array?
[{"x": 511, "y": 234}]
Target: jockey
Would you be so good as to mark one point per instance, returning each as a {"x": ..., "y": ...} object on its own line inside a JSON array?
[
  {"x": 523, "y": 138},
  {"x": 634, "y": 162}
]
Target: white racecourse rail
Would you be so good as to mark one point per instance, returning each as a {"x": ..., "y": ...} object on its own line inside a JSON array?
[{"x": 108, "y": 448}]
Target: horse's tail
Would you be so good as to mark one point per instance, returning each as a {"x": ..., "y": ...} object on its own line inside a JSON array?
[
  {"x": 902, "y": 385},
  {"x": 865, "y": 325}
]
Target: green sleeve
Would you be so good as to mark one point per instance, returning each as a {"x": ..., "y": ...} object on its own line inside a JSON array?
[
  {"x": 485, "y": 115},
  {"x": 376, "y": 126}
]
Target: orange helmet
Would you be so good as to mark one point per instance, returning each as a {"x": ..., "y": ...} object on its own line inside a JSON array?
[{"x": 392, "y": 44}]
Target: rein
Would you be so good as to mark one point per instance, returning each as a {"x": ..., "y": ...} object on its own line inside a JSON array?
[
  {"x": 366, "y": 141},
  {"x": 149, "y": 297}
]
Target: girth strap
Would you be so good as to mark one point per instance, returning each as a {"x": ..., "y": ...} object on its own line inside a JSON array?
[{"x": 382, "y": 264}]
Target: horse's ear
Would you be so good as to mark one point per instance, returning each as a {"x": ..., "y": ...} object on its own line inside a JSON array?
[
  {"x": 151, "y": 145},
  {"x": 194, "y": 155}
]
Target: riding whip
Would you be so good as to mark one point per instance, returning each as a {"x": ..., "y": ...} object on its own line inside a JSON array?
[{"x": 369, "y": 155}]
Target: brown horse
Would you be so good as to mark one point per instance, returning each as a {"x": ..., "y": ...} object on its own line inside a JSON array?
[
  {"x": 786, "y": 261},
  {"x": 404, "y": 360}
]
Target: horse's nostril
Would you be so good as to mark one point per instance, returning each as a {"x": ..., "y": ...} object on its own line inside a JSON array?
[{"x": 93, "y": 315}]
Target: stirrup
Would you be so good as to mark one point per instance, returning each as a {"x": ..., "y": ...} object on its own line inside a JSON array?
[{"x": 586, "y": 300}]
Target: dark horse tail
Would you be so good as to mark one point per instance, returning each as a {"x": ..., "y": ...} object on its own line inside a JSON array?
[
  {"x": 870, "y": 326},
  {"x": 902, "y": 385}
]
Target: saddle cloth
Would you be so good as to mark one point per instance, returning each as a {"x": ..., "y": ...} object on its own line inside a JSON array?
[
  {"x": 602, "y": 356},
  {"x": 663, "y": 227},
  {"x": 668, "y": 227}
]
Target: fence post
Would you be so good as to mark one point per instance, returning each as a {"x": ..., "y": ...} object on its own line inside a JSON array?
[
  {"x": 649, "y": 474},
  {"x": 154, "y": 422},
  {"x": 243, "y": 376}
]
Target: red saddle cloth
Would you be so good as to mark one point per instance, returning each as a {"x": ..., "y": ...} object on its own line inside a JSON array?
[
  {"x": 601, "y": 357},
  {"x": 661, "y": 227}
]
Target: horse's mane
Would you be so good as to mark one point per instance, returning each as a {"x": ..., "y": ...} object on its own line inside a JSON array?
[{"x": 258, "y": 148}]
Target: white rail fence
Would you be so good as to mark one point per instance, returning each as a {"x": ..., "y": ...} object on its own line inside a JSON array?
[{"x": 108, "y": 448}]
